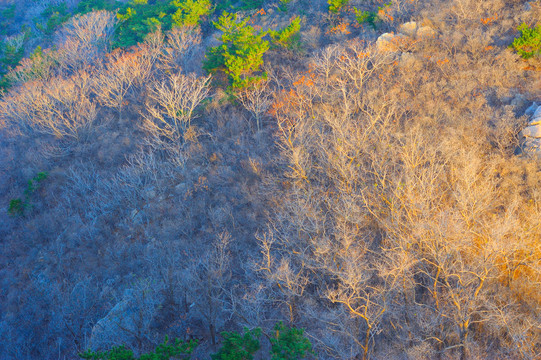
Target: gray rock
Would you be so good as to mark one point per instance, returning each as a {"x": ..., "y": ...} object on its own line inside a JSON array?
[
  {"x": 409, "y": 28},
  {"x": 534, "y": 121},
  {"x": 128, "y": 318},
  {"x": 537, "y": 112},
  {"x": 180, "y": 189},
  {"x": 532, "y": 146},
  {"x": 149, "y": 193},
  {"x": 519, "y": 100},
  {"x": 531, "y": 109},
  {"x": 533, "y": 131},
  {"x": 136, "y": 217},
  {"x": 532, "y": 143}
]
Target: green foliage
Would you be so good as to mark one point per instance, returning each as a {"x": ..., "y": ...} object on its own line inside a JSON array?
[
  {"x": 18, "y": 206},
  {"x": 55, "y": 16},
  {"x": 289, "y": 343},
  {"x": 9, "y": 12},
  {"x": 529, "y": 43},
  {"x": 336, "y": 5},
  {"x": 86, "y": 6},
  {"x": 5, "y": 84},
  {"x": 7, "y": 17},
  {"x": 370, "y": 17},
  {"x": 252, "y": 4},
  {"x": 129, "y": 13},
  {"x": 238, "y": 347},
  {"x": 221, "y": 5},
  {"x": 11, "y": 54},
  {"x": 289, "y": 36},
  {"x": 282, "y": 5},
  {"x": 33, "y": 184},
  {"x": 138, "y": 19},
  {"x": 190, "y": 11},
  {"x": 178, "y": 350},
  {"x": 241, "y": 53},
  {"x": 39, "y": 66}
]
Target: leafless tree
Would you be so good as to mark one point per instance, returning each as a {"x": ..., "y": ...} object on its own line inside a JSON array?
[
  {"x": 257, "y": 100},
  {"x": 172, "y": 105},
  {"x": 182, "y": 44},
  {"x": 84, "y": 38},
  {"x": 62, "y": 107},
  {"x": 117, "y": 78},
  {"x": 211, "y": 276}
]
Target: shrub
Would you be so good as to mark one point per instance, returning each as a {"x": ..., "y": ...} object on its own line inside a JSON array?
[
  {"x": 178, "y": 349},
  {"x": 289, "y": 343},
  {"x": 241, "y": 52},
  {"x": 335, "y": 6},
  {"x": 287, "y": 37},
  {"x": 529, "y": 42},
  {"x": 369, "y": 17},
  {"x": 238, "y": 347},
  {"x": 190, "y": 11},
  {"x": 18, "y": 206}
]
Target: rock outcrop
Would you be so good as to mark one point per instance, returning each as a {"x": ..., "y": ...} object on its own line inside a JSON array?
[
  {"x": 407, "y": 33},
  {"x": 531, "y": 144},
  {"x": 126, "y": 321}
]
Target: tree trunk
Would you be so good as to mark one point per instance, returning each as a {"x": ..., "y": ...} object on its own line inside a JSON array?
[{"x": 212, "y": 334}]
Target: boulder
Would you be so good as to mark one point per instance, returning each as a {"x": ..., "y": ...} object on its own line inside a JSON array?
[
  {"x": 408, "y": 29},
  {"x": 535, "y": 121},
  {"x": 531, "y": 110},
  {"x": 533, "y": 131},
  {"x": 519, "y": 100},
  {"x": 426, "y": 32},
  {"x": 391, "y": 42},
  {"x": 537, "y": 112},
  {"x": 125, "y": 321},
  {"x": 180, "y": 189},
  {"x": 532, "y": 146}
]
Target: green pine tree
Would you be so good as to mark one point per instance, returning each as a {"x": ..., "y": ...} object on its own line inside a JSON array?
[
  {"x": 289, "y": 343},
  {"x": 239, "y": 347},
  {"x": 240, "y": 56}
]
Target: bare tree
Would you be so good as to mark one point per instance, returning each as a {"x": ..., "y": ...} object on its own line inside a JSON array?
[
  {"x": 182, "y": 45},
  {"x": 287, "y": 284},
  {"x": 172, "y": 105},
  {"x": 116, "y": 79},
  {"x": 211, "y": 276},
  {"x": 257, "y": 100},
  {"x": 61, "y": 107},
  {"x": 84, "y": 38}
]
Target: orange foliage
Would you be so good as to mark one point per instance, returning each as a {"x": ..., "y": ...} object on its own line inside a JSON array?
[
  {"x": 489, "y": 20},
  {"x": 341, "y": 28}
]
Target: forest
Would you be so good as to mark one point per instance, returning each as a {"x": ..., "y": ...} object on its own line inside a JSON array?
[{"x": 270, "y": 179}]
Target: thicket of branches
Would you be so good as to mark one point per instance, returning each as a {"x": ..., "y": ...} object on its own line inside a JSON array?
[{"x": 374, "y": 196}]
